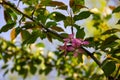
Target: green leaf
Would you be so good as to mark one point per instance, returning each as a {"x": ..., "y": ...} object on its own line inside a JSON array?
[
  {"x": 108, "y": 67},
  {"x": 116, "y": 10},
  {"x": 64, "y": 34},
  {"x": 32, "y": 37},
  {"x": 40, "y": 45},
  {"x": 5, "y": 72},
  {"x": 76, "y": 5},
  {"x": 7, "y": 27},
  {"x": 56, "y": 28},
  {"x": 56, "y": 3},
  {"x": 10, "y": 15},
  {"x": 49, "y": 37},
  {"x": 29, "y": 25},
  {"x": 118, "y": 21},
  {"x": 25, "y": 35},
  {"x": 50, "y": 24},
  {"x": 47, "y": 70},
  {"x": 33, "y": 69},
  {"x": 68, "y": 21},
  {"x": 109, "y": 40},
  {"x": 7, "y": 16},
  {"x": 82, "y": 15},
  {"x": 80, "y": 33},
  {"x": 111, "y": 31},
  {"x": 5, "y": 66},
  {"x": 57, "y": 16},
  {"x": 64, "y": 7}
]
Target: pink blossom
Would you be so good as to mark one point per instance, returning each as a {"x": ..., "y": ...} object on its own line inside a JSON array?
[
  {"x": 70, "y": 48},
  {"x": 74, "y": 45},
  {"x": 70, "y": 37},
  {"x": 76, "y": 42}
]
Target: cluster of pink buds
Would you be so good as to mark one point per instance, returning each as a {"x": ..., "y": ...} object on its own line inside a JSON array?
[{"x": 72, "y": 44}]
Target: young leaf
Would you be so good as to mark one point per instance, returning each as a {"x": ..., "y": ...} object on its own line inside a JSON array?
[
  {"x": 7, "y": 27},
  {"x": 64, "y": 7},
  {"x": 82, "y": 15},
  {"x": 76, "y": 5},
  {"x": 116, "y": 10},
  {"x": 72, "y": 3},
  {"x": 56, "y": 3},
  {"x": 14, "y": 33}
]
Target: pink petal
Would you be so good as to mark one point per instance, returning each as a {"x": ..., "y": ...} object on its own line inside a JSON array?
[
  {"x": 70, "y": 48},
  {"x": 85, "y": 42},
  {"x": 71, "y": 36},
  {"x": 66, "y": 40},
  {"x": 76, "y": 42},
  {"x": 75, "y": 54}
]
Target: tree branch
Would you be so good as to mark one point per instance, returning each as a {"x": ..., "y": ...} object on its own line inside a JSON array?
[
  {"x": 48, "y": 30},
  {"x": 38, "y": 23},
  {"x": 92, "y": 56}
]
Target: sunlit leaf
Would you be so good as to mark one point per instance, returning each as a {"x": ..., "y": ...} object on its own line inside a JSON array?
[
  {"x": 14, "y": 33},
  {"x": 40, "y": 45}
]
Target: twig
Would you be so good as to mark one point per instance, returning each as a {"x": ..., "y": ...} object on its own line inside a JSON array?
[
  {"x": 18, "y": 3},
  {"x": 71, "y": 21}
]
